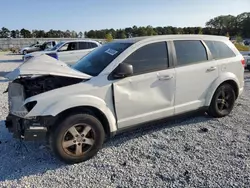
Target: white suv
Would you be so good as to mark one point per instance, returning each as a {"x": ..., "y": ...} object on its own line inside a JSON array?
[
  {"x": 69, "y": 51},
  {"x": 119, "y": 85}
]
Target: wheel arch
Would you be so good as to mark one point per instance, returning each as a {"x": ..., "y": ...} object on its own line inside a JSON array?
[
  {"x": 82, "y": 103},
  {"x": 89, "y": 110},
  {"x": 232, "y": 80}
]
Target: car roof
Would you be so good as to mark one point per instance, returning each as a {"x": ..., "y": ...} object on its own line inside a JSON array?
[
  {"x": 177, "y": 36},
  {"x": 81, "y": 40}
]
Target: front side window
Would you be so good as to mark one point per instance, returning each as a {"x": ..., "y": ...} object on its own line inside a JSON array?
[
  {"x": 56, "y": 46},
  {"x": 97, "y": 60},
  {"x": 190, "y": 52},
  {"x": 69, "y": 47},
  {"x": 149, "y": 58},
  {"x": 219, "y": 50}
]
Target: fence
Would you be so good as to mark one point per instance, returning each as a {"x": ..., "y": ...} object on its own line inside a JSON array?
[{"x": 7, "y": 43}]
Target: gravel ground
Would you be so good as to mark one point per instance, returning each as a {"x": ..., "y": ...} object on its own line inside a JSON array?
[{"x": 192, "y": 152}]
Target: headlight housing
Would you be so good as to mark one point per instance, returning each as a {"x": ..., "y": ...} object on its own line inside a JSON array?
[{"x": 30, "y": 105}]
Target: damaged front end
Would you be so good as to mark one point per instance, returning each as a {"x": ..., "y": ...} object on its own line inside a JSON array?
[
  {"x": 39, "y": 75},
  {"x": 17, "y": 122}
]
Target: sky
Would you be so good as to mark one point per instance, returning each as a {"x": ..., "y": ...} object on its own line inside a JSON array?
[{"x": 84, "y": 15}]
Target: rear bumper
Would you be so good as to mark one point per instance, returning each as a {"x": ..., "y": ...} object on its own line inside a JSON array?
[{"x": 28, "y": 129}]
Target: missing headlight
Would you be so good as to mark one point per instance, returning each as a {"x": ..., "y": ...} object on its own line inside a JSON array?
[{"x": 30, "y": 105}]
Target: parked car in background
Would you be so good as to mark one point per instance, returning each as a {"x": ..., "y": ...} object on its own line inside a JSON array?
[
  {"x": 31, "y": 48},
  {"x": 38, "y": 47},
  {"x": 69, "y": 51},
  {"x": 119, "y": 85},
  {"x": 247, "y": 59}
]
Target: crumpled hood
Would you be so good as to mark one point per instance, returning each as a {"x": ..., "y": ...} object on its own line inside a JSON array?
[
  {"x": 38, "y": 53},
  {"x": 45, "y": 65}
]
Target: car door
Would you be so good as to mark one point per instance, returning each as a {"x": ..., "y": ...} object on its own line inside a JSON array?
[
  {"x": 67, "y": 53},
  {"x": 149, "y": 93},
  {"x": 195, "y": 73},
  {"x": 34, "y": 48}
]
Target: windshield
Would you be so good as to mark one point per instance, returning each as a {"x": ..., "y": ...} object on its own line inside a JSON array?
[
  {"x": 55, "y": 47},
  {"x": 97, "y": 60}
]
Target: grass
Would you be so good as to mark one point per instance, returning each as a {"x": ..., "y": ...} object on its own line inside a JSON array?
[{"x": 242, "y": 47}]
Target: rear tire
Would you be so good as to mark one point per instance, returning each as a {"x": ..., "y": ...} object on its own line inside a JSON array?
[
  {"x": 77, "y": 138},
  {"x": 223, "y": 101}
]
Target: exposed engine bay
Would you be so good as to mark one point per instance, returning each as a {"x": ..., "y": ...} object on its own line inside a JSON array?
[{"x": 37, "y": 85}]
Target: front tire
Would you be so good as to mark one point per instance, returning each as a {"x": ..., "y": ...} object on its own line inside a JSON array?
[
  {"x": 223, "y": 101},
  {"x": 24, "y": 52},
  {"x": 77, "y": 138}
]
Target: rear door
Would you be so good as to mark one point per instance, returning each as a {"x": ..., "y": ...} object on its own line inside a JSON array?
[
  {"x": 228, "y": 60},
  {"x": 195, "y": 72},
  {"x": 67, "y": 53}
]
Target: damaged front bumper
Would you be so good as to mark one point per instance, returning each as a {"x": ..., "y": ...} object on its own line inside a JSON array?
[
  {"x": 22, "y": 127},
  {"x": 27, "y": 129}
]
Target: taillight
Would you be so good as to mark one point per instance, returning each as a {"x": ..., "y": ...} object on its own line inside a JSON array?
[{"x": 243, "y": 62}]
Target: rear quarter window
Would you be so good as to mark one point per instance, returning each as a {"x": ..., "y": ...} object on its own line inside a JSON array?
[
  {"x": 219, "y": 49},
  {"x": 92, "y": 45}
]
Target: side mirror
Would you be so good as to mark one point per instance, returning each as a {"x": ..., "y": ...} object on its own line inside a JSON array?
[{"x": 123, "y": 70}]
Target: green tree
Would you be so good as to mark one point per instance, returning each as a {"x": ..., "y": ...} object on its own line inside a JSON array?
[
  {"x": 108, "y": 37},
  {"x": 17, "y": 33},
  {"x": 200, "y": 31},
  {"x": 38, "y": 33},
  {"x": 25, "y": 33},
  {"x": 239, "y": 39},
  {"x": 4, "y": 32},
  {"x": 150, "y": 31},
  {"x": 120, "y": 34},
  {"x": 243, "y": 21},
  {"x": 13, "y": 34},
  {"x": 80, "y": 34},
  {"x": 73, "y": 34}
]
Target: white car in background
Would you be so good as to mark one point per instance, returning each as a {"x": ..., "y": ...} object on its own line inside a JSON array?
[{"x": 68, "y": 51}]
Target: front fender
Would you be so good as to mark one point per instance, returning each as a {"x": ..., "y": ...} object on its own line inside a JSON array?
[
  {"x": 58, "y": 106},
  {"x": 222, "y": 78}
]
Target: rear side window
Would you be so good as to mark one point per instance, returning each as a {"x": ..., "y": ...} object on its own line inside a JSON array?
[
  {"x": 86, "y": 45},
  {"x": 149, "y": 58},
  {"x": 83, "y": 45},
  {"x": 190, "y": 52},
  {"x": 92, "y": 45},
  {"x": 219, "y": 49}
]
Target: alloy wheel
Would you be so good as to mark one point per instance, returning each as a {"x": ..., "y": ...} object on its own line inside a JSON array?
[
  {"x": 78, "y": 140},
  {"x": 225, "y": 100}
]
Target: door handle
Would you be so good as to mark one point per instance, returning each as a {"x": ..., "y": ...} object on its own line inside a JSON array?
[
  {"x": 211, "y": 69},
  {"x": 166, "y": 77}
]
